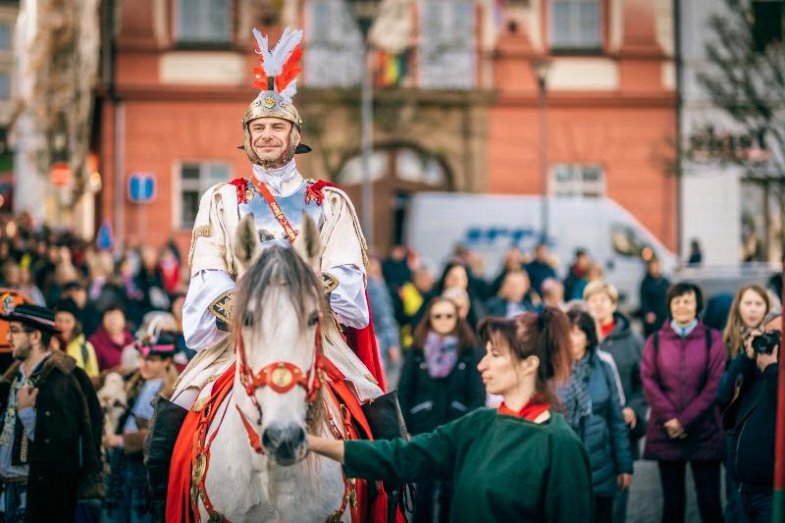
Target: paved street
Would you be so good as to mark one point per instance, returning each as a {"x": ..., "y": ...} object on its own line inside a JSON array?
[{"x": 645, "y": 504}]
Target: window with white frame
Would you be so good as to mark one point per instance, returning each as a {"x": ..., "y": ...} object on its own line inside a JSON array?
[
  {"x": 195, "y": 179},
  {"x": 334, "y": 50},
  {"x": 576, "y": 25},
  {"x": 447, "y": 44},
  {"x": 203, "y": 21},
  {"x": 576, "y": 180}
]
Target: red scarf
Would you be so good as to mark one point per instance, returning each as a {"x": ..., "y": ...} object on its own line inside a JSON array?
[
  {"x": 531, "y": 411},
  {"x": 606, "y": 329}
]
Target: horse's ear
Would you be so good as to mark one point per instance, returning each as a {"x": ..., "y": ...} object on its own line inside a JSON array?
[
  {"x": 308, "y": 243},
  {"x": 246, "y": 245}
]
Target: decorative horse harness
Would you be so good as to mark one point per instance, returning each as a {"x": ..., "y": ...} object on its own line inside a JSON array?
[{"x": 281, "y": 377}]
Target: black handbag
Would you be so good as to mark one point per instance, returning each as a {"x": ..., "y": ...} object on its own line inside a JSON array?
[{"x": 385, "y": 417}]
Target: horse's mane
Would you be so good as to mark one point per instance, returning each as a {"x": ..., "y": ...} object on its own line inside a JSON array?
[{"x": 277, "y": 266}]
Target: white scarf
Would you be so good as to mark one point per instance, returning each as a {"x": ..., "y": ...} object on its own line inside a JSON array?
[{"x": 280, "y": 180}]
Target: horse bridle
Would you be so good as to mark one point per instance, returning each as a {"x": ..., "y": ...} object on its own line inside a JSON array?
[{"x": 281, "y": 377}]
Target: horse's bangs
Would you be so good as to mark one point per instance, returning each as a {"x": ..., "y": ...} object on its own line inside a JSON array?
[{"x": 277, "y": 266}]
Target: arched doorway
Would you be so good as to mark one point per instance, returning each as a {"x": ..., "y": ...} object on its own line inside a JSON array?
[{"x": 397, "y": 173}]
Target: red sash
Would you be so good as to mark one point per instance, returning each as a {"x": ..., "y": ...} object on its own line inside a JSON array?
[{"x": 362, "y": 341}]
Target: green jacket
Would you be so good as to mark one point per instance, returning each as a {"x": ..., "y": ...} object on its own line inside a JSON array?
[{"x": 503, "y": 468}]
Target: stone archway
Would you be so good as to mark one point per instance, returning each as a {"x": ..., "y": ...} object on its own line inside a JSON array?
[{"x": 397, "y": 173}]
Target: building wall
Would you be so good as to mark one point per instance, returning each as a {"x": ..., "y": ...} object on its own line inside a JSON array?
[
  {"x": 186, "y": 105},
  {"x": 613, "y": 107}
]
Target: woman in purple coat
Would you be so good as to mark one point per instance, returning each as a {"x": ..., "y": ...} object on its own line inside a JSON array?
[{"x": 681, "y": 369}]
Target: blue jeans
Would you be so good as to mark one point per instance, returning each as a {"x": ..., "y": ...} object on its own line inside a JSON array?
[
  {"x": 15, "y": 496},
  {"x": 757, "y": 506},
  {"x": 126, "y": 500}
]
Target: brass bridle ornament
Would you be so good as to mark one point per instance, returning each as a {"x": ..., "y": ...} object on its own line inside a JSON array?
[{"x": 281, "y": 377}]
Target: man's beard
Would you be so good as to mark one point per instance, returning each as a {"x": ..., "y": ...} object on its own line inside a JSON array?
[
  {"x": 282, "y": 160},
  {"x": 22, "y": 352}
]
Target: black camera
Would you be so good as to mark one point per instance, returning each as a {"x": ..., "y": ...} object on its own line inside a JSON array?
[{"x": 766, "y": 343}]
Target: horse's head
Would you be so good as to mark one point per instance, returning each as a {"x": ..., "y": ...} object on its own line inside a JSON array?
[{"x": 277, "y": 317}]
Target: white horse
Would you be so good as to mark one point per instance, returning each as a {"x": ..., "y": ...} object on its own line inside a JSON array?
[{"x": 276, "y": 394}]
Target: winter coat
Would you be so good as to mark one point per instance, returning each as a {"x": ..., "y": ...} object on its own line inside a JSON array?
[
  {"x": 604, "y": 432},
  {"x": 108, "y": 352},
  {"x": 429, "y": 402},
  {"x": 626, "y": 347},
  {"x": 65, "y": 455},
  {"x": 384, "y": 323},
  {"x": 539, "y": 272},
  {"x": 654, "y": 293},
  {"x": 751, "y": 421},
  {"x": 680, "y": 381}
]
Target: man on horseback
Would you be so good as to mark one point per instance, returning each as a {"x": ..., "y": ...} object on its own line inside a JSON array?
[{"x": 277, "y": 196}]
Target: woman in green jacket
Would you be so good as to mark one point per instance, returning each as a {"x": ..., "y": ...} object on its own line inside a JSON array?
[{"x": 521, "y": 462}]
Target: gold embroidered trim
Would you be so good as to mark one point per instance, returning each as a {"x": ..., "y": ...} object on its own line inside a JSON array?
[
  {"x": 223, "y": 307},
  {"x": 329, "y": 282},
  {"x": 200, "y": 403},
  {"x": 202, "y": 231}
]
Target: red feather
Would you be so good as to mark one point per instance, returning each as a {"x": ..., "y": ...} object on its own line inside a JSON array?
[
  {"x": 290, "y": 69},
  {"x": 260, "y": 78}
]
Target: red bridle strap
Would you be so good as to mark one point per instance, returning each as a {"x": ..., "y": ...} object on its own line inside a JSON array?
[{"x": 281, "y": 377}]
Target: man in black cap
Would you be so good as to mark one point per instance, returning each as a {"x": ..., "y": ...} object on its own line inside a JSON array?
[{"x": 51, "y": 423}]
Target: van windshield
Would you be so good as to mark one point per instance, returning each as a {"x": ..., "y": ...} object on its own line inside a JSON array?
[{"x": 625, "y": 241}]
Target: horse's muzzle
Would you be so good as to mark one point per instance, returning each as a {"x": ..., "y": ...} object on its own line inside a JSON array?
[{"x": 285, "y": 444}]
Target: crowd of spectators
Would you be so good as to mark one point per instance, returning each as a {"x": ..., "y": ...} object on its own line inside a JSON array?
[{"x": 631, "y": 377}]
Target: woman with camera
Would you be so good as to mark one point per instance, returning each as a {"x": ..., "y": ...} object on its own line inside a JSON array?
[
  {"x": 748, "y": 395},
  {"x": 750, "y": 305}
]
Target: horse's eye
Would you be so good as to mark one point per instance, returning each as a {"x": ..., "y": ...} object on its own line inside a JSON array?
[
  {"x": 313, "y": 319},
  {"x": 248, "y": 319}
]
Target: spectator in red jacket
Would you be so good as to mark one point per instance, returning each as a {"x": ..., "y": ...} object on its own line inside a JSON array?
[{"x": 111, "y": 338}]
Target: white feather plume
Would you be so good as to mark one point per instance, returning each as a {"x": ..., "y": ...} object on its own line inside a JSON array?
[
  {"x": 264, "y": 48},
  {"x": 289, "y": 92},
  {"x": 274, "y": 60}
]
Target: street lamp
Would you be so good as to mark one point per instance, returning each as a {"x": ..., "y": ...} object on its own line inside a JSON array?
[
  {"x": 541, "y": 67},
  {"x": 364, "y": 12}
]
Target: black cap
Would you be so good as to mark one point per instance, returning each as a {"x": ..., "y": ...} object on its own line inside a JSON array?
[
  {"x": 67, "y": 305},
  {"x": 72, "y": 285},
  {"x": 35, "y": 316}
]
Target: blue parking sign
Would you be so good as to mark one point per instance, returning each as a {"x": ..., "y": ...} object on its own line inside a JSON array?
[{"x": 141, "y": 187}]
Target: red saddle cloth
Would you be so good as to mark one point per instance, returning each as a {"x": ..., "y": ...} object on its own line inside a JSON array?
[{"x": 179, "y": 497}]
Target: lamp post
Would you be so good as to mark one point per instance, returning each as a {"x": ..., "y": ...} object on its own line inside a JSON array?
[
  {"x": 364, "y": 12},
  {"x": 541, "y": 67}
]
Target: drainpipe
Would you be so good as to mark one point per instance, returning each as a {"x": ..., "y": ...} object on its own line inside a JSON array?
[{"x": 677, "y": 59}]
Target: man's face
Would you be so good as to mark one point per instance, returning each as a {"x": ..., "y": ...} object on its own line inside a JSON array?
[
  {"x": 20, "y": 340},
  {"x": 270, "y": 139}
]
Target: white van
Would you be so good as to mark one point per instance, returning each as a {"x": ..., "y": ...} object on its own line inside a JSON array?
[{"x": 491, "y": 224}]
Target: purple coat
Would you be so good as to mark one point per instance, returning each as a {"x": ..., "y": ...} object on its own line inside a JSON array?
[{"x": 681, "y": 384}]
